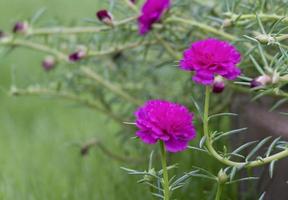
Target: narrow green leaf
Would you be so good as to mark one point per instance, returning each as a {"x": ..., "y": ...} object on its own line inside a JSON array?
[
  {"x": 229, "y": 133},
  {"x": 259, "y": 69},
  {"x": 271, "y": 168},
  {"x": 258, "y": 146},
  {"x": 272, "y": 145}
]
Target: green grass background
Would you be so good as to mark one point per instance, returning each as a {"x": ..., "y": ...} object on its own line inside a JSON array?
[{"x": 39, "y": 138}]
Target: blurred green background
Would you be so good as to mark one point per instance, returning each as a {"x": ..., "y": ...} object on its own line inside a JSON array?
[{"x": 40, "y": 138}]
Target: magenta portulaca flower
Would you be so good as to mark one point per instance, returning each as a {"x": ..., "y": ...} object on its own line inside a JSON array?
[
  {"x": 165, "y": 121},
  {"x": 152, "y": 11},
  {"x": 211, "y": 57}
]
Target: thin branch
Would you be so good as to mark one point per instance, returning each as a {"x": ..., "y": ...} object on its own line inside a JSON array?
[
  {"x": 262, "y": 16},
  {"x": 9, "y": 41},
  {"x": 78, "y": 30},
  {"x": 120, "y": 48},
  {"x": 65, "y": 95},
  {"x": 89, "y": 73},
  {"x": 97, "y": 143}
]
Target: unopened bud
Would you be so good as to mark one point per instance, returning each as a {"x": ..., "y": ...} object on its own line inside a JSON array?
[
  {"x": 78, "y": 55},
  {"x": 20, "y": 27},
  {"x": 266, "y": 39},
  {"x": 218, "y": 84},
  {"x": 48, "y": 63},
  {"x": 222, "y": 177},
  {"x": 105, "y": 17},
  {"x": 260, "y": 81},
  {"x": 227, "y": 23}
]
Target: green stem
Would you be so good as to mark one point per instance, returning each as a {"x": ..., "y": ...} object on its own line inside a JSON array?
[
  {"x": 120, "y": 48},
  {"x": 226, "y": 161},
  {"x": 204, "y": 27},
  {"x": 9, "y": 41},
  {"x": 69, "y": 96},
  {"x": 219, "y": 191},
  {"x": 262, "y": 16},
  {"x": 165, "y": 172},
  {"x": 131, "y": 5},
  {"x": 78, "y": 30}
]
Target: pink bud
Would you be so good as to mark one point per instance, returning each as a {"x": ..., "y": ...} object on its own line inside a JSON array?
[
  {"x": 218, "y": 84},
  {"x": 105, "y": 17},
  {"x": 20, "y": 27},
  {"x": 48, "y": 63},
  {"x": 260, "y": 81},
  {"x": 76, "y": 56}
]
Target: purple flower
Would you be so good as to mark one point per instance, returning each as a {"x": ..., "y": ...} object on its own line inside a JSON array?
[
  {"x": 211, "y": 57},
  {"x": 104, "y": 16},
  {"x": 48, "y": 63},
  {"x": 152, "y": 11},
  {"x": 166, "y": 121},
  {"x": 133, "y": 1}
]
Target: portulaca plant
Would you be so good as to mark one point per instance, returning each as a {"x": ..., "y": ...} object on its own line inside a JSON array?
[{"x": 143, "y": 64}]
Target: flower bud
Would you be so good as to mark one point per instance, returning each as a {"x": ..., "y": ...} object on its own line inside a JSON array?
[
  {"x": 77, "y": 55},
  {"x": 260, "y": 81},
  {"x": 222, "y": 177},
  {"x": 105, "y": 17},
  {"x": 218, "y": 84},
  {"x": 264, "y": 38},
  {"x": 133, "y": 1},
  {"x": 20, "y": 27},
  {"x": 48, "y": 63},
  {"x": 227, "y": 23}
]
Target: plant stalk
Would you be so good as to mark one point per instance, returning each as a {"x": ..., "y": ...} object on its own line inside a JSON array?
[
  {"x": 226, "y": 161},
  {"x": 165, "y": 172},
  {"x": 219, "y": 191}
]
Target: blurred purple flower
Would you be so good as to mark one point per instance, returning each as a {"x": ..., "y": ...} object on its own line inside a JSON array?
[
  {"x": 211, "y": 57},
  {"x": 166, "y": 121},
  {"x": 133, "y": 1},
  {"x": 152, "y": 11},
  {"x": 20, "y": 27},
  {"x": 48, "y": 63},
  {"x": 76, "y": 56}
]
